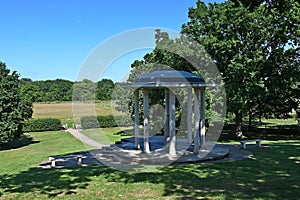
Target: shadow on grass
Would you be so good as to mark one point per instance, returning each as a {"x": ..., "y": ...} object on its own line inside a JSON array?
[
  {"x": 49, "y": 182},
  {"x": 23, "y": 141},
  {"x": 272, "y": 174}
]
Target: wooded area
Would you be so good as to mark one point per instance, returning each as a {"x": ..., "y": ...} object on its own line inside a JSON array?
[{"x": 62, "y": 90}]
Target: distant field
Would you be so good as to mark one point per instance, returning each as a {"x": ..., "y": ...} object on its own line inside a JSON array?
[{"x": 66, "y": 111}]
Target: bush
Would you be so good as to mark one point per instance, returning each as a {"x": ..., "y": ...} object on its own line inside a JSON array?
[
  {"x": 113, "y": 121},
  {"x": 123, "y": 121},
  {"x": 89, "y": 122},
  {"x": 105, "y": 121},
  {"x": 38, "y": 125}
]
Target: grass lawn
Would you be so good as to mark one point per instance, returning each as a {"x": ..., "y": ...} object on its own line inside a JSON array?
[
  {"x": 108, "y": 135},
  {"x": 273, "y": 173}
]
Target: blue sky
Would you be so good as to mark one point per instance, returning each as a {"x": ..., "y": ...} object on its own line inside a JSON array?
[{"x": 51, "y": 39}]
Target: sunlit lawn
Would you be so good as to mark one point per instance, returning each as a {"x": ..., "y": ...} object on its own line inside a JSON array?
[
  {"x": 273, "y": 173},
  {"x": 108, "y": 135}
]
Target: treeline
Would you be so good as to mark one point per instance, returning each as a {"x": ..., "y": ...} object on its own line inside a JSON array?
[{"x": 64, "y": 90}]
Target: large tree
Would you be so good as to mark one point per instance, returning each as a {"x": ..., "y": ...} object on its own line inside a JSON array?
[
  {"x": 14, "y": 108},
  {"x": 178, "y": 54},
  {"x": 54, "y": 90},
  {"x": 256, "y": 48},
  {"x": 84, "y": 90},
  {"x": 105, "y": 88}
]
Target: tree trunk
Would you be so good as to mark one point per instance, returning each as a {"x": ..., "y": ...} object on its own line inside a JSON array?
[
  {"x": 250, "y": 121},
  {"x": 239, "y": 123}
]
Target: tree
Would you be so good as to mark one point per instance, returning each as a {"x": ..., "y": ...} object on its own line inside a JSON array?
[
  {"x": 84, "y": 90},
  {"x": 105, "y": 88},
  {"x": 14, "y": 108},
  {"x": 256, "y": 48},
  {"x": 55, "y": 90},
  {"x": 177, "y": 54},
  {"x": 31, "y": 92}
]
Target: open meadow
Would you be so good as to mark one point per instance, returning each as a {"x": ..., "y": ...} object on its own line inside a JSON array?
[{"x": 66, "y": 111}]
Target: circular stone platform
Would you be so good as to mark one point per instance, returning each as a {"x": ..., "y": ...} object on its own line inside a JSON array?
[{"x": 125, "y": 152}]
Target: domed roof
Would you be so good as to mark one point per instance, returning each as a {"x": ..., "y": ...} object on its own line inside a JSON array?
[{"x": 169, "y": 76}]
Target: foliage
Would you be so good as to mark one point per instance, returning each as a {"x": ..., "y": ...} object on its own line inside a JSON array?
[
  {"x": 84, "y": 91},
  {"x": 175, "y": 54},
  {"x": 256, "y": 48},
  {"x": 89, "y": 122},
  {"x": 105, "y": 121},
  {"x": 50, "y": 90},
  {"x": 105, "y": 88},
  {"x": 59, "y": 90},
  {"x": 31, "y": 92},
  {"x": 38, "y": 125},
  {"x": 14, "y": 108}
]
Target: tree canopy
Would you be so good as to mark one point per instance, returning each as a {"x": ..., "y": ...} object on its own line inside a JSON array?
[
  {"x": 256, "y": 48},
  {"x": 59, "y": 90},
  {"x": 14, "y": 108},
  {"x": 105, "y": 89},
  {"x": 255, "y": 45}
]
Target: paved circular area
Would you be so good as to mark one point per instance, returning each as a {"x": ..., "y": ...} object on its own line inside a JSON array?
[{"x": 117, "y": 157}]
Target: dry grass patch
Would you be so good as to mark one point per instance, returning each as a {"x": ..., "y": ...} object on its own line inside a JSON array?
[{"x": 66, "y": 111}]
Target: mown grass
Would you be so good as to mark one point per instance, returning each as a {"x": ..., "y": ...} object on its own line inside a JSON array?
[
  {"x": 273, "y": 173},
  {"x": 108, "y": 135}
]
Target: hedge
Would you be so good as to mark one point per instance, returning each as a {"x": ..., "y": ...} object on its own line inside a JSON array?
[
  {"x": 105, "y": 121},
  {"x": 89, "y": 122},
  {"x": 38, "y": 125}
]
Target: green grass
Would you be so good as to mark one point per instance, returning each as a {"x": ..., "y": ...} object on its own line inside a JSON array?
[
  {"x": 273, "y": 173},
  {"x": 108, "y": 135},
  {"x": 39, "y": 147}
]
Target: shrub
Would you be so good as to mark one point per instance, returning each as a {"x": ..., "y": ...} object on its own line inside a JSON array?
[
  {"x": 37, "y": 125},
  {"x": 89, "y": 122},
  {"x": 113, "y": 121},
  {"x": 105, "y": 121},
  {"x": 123, "y": 121}
]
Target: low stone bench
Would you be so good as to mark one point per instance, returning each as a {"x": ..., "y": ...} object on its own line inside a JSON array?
[
  {"x": 53, "y": 159},
  {"x": 257, "y": 141}
]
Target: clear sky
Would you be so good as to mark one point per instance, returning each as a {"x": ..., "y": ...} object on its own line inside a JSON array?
[{"x": 51, "y": 39}]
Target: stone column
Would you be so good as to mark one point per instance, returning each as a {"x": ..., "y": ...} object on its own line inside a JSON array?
[
  {"x": 202, "y": 117},
  {"x": 189, "y": 116},
  {"x": 146, "y": 121},
  {"x": 172, "y": 124},
  {"x": 167, "y": 116},
  {"x": 197, "y": 120},
  {"x": 136, "y": 120}
]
